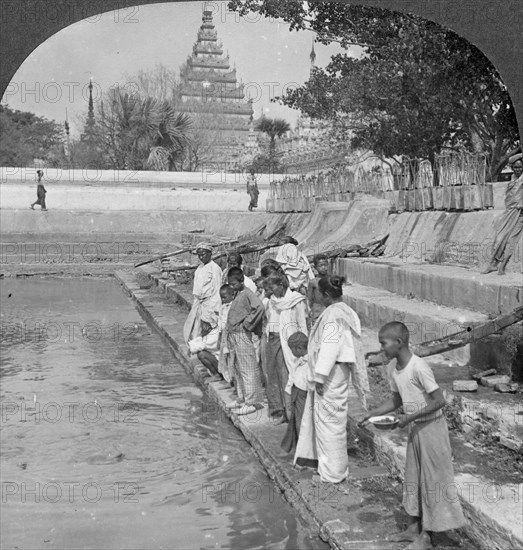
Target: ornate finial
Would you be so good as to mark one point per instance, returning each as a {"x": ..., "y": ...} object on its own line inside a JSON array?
[{"x": 313, "y": 54}]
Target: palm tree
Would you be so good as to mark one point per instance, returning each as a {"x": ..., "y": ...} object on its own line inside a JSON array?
[
  {"x": 141, "y": 132},
  {"x": 275, "y": 128}
]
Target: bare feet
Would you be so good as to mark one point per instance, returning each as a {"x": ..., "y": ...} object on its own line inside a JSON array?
[
  {"x": 245, "y": 409},
  {"x": 409, "y": 535},
  {"x": 234, "y": 404},
  {"x": 422, "y": 542},
  {"x": 502, "y": 267},
  {"x": 489, "y": 269}
]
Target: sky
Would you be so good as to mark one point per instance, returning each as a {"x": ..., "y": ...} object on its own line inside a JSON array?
[{"x": 107, "y": 47}]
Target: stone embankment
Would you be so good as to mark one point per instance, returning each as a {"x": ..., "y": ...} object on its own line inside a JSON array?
[{"x": 362, "y": 518}]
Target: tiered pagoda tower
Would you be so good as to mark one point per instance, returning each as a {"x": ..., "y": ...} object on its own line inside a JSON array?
[{"x": 210, "y": 92}]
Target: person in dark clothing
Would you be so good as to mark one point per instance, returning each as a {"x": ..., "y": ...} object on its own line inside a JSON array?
[
  {"x": 40, "y": 192},
  {"x": 252, "y": 190}
]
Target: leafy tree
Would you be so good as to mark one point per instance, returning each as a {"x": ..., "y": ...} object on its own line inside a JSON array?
[
  {"x": 25, "y": 137},
  {"x": 140, "y": 132},
  {"x": 416, "y": 88},
  {"x": 161, "y": 83},
  {"x": 274, "y": 128}
]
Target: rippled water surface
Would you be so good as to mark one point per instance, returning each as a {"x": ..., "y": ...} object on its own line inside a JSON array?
[{"x": 107, "y": 443}]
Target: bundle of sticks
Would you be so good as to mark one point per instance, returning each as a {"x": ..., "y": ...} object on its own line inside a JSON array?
[
  {"x": 253, "y": 242},
  {"x": 457, "y": 340}
]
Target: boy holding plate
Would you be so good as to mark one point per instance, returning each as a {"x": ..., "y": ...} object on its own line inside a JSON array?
[{"x": 429, "y": 495}]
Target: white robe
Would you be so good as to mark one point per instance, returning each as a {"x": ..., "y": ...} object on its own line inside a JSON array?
[
  {"x": 292, "y": 310},
  {"x": 335, "y": 352},
  {"x": 207, "y": 303}
]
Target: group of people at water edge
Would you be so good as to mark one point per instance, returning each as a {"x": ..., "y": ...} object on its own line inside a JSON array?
[{"x": 287, "y": 341}]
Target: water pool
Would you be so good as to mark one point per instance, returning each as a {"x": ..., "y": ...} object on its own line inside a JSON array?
[{"x": 107, "y": 443}]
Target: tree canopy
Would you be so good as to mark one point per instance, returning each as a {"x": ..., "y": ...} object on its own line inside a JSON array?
[
  {"x": 25, "y": 137},
  {"x": 415, "y": 88},
  {"x": 274, "y": 128}
]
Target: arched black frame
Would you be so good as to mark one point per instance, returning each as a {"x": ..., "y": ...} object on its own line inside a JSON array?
[{"x": 494, "y": 26}]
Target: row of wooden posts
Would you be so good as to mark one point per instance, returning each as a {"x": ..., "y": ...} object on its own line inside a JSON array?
[
  {"x": 460, "y": 186},
  {"x": 463, "y": 198}
]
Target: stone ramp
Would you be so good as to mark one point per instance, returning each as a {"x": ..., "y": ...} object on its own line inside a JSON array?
[
  {"x": 447, "y": 237},
  {"x": 343, "y": 224},
  {"x": 446, "y": 285}
]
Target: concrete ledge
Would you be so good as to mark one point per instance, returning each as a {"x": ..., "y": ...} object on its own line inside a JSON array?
[
  {"x": 169, "y": 225},
  {"x": 426, "y": 321},
  {"x": 449, "y": 286},
  {"x": 92, "y": 199}
]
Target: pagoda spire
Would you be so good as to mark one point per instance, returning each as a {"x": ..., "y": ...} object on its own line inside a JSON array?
[
  {"x": 89, "y": 133},
  {"x": 67, "y": 136},
  {"x": 312, "y": 57}
]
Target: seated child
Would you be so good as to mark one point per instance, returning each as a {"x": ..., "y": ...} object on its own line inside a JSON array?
[
  {"x": 244, "y": 322},
  {"x": 297, "y": 389},
  {"x": 207, "y": 348},
  {"x": 224, "y": 360},
  {"x": 428, "y": 470},
  {"x": 321, "y": 264}
]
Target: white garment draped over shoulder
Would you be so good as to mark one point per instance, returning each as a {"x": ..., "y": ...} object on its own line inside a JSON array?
[
  {"x": 292, "y": 311},
  {"x": 335, "y": 356},
  {"x": 207, "y": 302}
]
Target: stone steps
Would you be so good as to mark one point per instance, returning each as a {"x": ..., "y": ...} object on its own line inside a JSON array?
[
  {"x": 450, "y": 286},
  {"x": 425, "y": 320}
]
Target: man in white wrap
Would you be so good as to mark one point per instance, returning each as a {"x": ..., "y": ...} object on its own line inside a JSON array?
[
  {"x": 286, "y": 314},
  {"x": 206, "y": 291},
  {"x": 296, "y": 266},
  {"x": 335, "y": 356}
]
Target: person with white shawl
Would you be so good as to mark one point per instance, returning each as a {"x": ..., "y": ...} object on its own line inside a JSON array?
[
  {"x": 335, "y": 356},
  {"x": 296, "y": 266},
  {"x": 206, "y": 291},
  {"x": 286, "y": 314}
]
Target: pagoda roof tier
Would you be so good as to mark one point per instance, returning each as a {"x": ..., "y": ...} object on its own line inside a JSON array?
[
  {"x": 210, "y": 48},
  {"x": 209, "y": 35},
  {"x": 221, "y": 92},
  {"x": 209, "y": 62},
  {"x": 217, "y": 107},
  {"x": 210, "y": 76}
]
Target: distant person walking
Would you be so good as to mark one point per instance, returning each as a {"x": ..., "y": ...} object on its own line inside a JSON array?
[
  {"x": 252, "y": 190},
  {"x": 40, "y": 191},
  {"x": 510, "y": 225}
]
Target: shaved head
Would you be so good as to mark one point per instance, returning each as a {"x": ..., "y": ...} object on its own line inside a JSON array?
[{"x": 395, "y": 331}]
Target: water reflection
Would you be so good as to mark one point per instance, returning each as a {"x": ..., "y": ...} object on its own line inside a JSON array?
[{"x": 106, "y": 442}]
